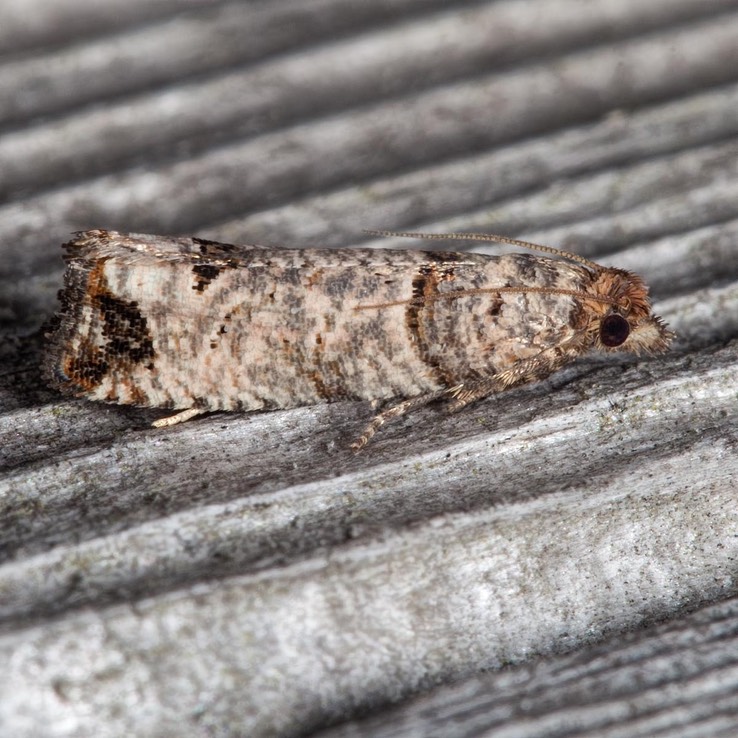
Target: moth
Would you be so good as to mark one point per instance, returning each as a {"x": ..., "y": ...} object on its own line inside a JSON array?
[{"x": 192, "y": 325}]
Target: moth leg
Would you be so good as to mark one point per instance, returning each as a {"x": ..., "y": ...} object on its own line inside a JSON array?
[
  {"x": 179, "y": 417},
  {"x": 395, "y": 411},
  {"x": 529, "y": 370}
]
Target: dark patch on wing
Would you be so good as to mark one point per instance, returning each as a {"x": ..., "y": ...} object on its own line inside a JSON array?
[
  {"x": 495, "y": 307},
  {"x": 125, "y": 328},
  {"x": 226, "y": 255},
  {"x": 86, "y": 368},
  {"x": 80, "y": 363},
  {"x": 204, "y": 275},
  {"x": 418, "y": 315},
  {"x": 213, "y": 248}
]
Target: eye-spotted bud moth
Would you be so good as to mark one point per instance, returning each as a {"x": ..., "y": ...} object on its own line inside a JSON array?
[{"x": 194, "y": 326}]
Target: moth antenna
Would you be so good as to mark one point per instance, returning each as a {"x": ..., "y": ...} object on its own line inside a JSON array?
[
  {"x": 494, "y": 290},
  {"x": 490, "y": 238}
]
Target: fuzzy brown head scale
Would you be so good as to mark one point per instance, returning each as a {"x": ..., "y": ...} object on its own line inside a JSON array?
[{"x": 628, "y": 322}]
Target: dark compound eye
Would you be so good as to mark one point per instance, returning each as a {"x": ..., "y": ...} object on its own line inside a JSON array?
[{"x": 614, "y": 330}]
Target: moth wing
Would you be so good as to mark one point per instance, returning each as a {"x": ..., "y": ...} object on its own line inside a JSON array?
[{"x": 134, "y": 247}]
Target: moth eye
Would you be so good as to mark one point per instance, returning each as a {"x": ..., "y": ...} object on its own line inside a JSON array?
[{"x": 614, "y": 330}]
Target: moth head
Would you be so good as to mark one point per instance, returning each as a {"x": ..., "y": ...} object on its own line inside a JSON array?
[{"x": 626, "y": 321}]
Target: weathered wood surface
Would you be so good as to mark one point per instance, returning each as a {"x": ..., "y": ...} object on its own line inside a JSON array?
[
  {"x": 248, "y": 575},
  {"x": 678, "y": 679}
]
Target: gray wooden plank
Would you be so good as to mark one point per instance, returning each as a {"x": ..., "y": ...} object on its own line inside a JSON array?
[
  {"x": 249, "y": 574},
  {"x": 677, "y": 680},
  {"x": 257, "y": 172},
  {"x": 83, "y": 46}
]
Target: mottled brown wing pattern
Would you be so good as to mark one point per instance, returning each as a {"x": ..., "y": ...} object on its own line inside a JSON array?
[{"x": 195, "y": 325}]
